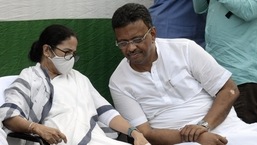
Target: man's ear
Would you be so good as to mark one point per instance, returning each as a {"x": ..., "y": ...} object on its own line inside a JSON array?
[{"x": 153, "y": 33}]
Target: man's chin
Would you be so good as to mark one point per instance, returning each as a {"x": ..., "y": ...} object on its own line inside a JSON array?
[{"x": 136, "y": 62}]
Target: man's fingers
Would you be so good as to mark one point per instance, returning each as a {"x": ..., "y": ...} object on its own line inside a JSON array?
[
  {"x": 198, "y": 132},
  {"x": 223, "y": 140},
  {"x": 190, "y": 133}
]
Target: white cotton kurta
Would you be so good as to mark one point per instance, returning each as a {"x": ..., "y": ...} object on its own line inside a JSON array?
[
  {"x": 74, "y": 103},
  {"x": 178, "y": 91}
]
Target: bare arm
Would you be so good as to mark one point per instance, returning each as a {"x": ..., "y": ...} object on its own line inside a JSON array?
[
  {"x": 222, "y": 104},
  {"x": 120, "y": 124},
  {"x": 160, "y": 136},
  {"x": 218, "y": 112},
  {"x": 172, "y": 136},
  {"x": 19, "y": 124}
]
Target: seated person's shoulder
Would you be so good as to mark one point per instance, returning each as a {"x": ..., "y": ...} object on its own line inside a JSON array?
[
  {"x": 175, "y": 43},
  {"x": 173, "y": 40}
]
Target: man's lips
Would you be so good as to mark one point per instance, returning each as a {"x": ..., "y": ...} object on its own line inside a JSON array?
[{"x": 134, "y": 55}]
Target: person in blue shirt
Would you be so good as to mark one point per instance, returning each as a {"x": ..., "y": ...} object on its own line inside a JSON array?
[{"x": 177, "y": 19}]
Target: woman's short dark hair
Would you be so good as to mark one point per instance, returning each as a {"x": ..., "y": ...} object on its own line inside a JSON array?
[
  {"x": 52, "y": 36},
  {"x": 129, "y": 13}
]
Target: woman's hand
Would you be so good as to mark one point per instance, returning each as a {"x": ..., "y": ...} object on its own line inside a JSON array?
[
  {"x": 139, "y": 138},
  {"x": 50, "y": 135}
]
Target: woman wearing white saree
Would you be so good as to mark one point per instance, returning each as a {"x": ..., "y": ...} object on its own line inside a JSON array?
[{"x": 57, "y": 102}]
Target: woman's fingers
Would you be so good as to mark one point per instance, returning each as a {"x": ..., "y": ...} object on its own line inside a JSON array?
[{"x": 63, "y": 137}]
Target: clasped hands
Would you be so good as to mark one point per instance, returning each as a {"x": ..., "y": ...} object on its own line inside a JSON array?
[{"x": 200, "y": 134}]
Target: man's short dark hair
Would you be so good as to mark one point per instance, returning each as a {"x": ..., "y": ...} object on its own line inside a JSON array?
[{"x": 129, "y": 13}]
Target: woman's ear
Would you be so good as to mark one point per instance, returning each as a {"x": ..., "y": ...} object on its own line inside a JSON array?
[{"x": 46, "y": 50}]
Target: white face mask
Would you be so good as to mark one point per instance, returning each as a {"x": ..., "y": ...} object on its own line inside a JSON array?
[{"x": 62, "y": 65}]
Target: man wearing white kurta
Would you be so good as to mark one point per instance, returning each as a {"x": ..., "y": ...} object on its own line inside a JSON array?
[
  {"x": 171, "y": 89},
  {"x": 179, "y": 90}
]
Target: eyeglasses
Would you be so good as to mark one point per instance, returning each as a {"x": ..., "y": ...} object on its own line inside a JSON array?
[
  {"x": 67, "y": 54},
  {"x": 124, "y": 44}
]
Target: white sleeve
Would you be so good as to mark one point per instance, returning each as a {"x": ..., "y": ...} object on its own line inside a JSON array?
[
  {"x": 206, "y": 70},
  {"x": 104, "y": 109}
]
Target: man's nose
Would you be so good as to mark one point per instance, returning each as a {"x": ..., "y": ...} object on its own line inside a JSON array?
[{"x": 131, "y": 46}]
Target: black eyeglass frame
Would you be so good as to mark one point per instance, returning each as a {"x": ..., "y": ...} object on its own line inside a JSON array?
[
  {"x": 138, "y": 40},
  {"x": 67, "y": 55}
]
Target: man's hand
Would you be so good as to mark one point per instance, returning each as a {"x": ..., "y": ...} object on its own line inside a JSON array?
[
  {"x": 208, "y": 138},
  {"x": 200, "y": 134},
  {"x": 190, "y": 133}
]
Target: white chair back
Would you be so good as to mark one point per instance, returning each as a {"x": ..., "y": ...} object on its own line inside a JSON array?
[{"x": 5, "y": 81}]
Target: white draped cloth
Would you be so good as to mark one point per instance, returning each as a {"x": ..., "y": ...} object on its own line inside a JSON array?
[
  {"x": 2, "y": 136},
  {"x": 74, "y": 103},
  {"x": 69, "y": 103}
]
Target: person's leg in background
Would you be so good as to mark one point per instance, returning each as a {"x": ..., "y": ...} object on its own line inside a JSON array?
[{"x": 246, "y": 104}]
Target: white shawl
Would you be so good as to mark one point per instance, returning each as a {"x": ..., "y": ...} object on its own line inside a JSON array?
[
  {"x": 29, "y": 96},
  {"x": 32, "y": 97}
]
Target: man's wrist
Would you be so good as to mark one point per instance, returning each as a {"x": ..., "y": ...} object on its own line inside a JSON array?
[{"x": 204, "y": 124}]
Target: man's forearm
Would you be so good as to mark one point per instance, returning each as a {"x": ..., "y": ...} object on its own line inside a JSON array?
[
  {"x": 163, "y": 136},
  {"x": 222, "y": 104}
]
